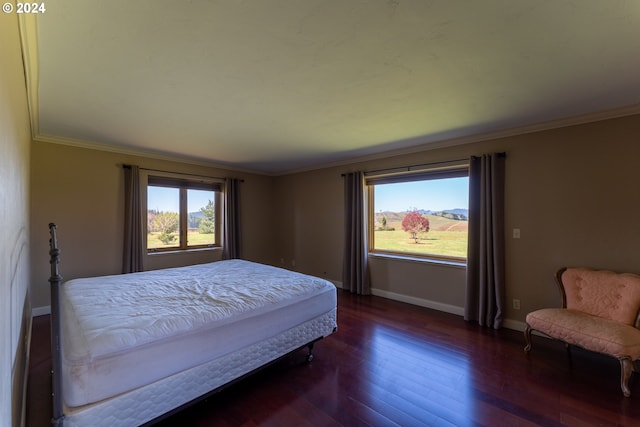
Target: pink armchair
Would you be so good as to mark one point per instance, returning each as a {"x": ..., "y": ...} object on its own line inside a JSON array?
[{"x": 600, "y": 312}]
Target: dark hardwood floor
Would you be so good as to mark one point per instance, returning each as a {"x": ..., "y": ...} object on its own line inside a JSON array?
[{"x": 396, "y": 364}]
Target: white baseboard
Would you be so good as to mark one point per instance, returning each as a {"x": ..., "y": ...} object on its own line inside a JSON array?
[
  {"x": 41, "y": 311},
  {"x": 516, "y": 325},
  {"x": 419, "y": 301}
]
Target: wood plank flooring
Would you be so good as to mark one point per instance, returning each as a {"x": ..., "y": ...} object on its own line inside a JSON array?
[{"x": 394, "y": 364}]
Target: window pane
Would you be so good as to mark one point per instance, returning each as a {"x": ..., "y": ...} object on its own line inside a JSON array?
[
  {"x": 201, "y": 210},
  {"x": 422, "y": 217},
  {"x": 163, "y": 219}
]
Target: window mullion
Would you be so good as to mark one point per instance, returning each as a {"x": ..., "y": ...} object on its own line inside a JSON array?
[
  {"x": 184, "y": 223},
  {"x": 370, "y": 217},
  {"x": 218, "y": 216}
]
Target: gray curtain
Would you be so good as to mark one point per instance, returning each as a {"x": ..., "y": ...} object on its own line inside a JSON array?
[
  {"x": 355, "y": 276},
  {"x": 231, "y": 234},
  {"x": 485, "y": 296},
  {"x": 133, "y": 234}
]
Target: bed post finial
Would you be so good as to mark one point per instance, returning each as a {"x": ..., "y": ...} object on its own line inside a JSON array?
[{"x": 54, "y": 280}]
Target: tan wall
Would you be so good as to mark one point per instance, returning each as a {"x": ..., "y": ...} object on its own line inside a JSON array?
[
  {"x": 571, "y": 191},
  {"x": 311, "y": 223},
  {"x": 15, "y": 140},
  {"x": 82, "y": 191}
]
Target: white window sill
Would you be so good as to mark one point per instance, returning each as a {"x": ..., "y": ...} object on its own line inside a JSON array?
[
  {"x": 409, "y": 258},
  {"x": 183, "y": 251}
]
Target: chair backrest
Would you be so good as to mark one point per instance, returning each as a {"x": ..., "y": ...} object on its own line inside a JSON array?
[{"x": 614, "y": 296}]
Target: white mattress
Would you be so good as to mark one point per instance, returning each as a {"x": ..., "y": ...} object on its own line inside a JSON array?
[
  {"x": 126, "y": 331},
  {"x": 146, "y": 403}
]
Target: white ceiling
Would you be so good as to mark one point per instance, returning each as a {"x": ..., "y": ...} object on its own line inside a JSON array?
[{"x": 280, "y": 85}]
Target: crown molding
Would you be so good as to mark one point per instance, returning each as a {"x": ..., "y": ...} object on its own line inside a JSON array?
[
  {"x": 149, "y": 154},
  {"x": 29, "y": 44},
  {"x": 28, "y": 28},
  {"x": 434, "y": 144},
  {"x": 426, "y": 146}
]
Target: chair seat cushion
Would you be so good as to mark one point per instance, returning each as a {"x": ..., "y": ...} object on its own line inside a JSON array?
[{"x": 587, "y": 331}]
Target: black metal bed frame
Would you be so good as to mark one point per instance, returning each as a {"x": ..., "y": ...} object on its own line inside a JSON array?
[
  {"x": 55, "y": 280},
  {"x": 56, "y": 364}
]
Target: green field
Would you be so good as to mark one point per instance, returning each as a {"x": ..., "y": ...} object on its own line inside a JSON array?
[
  {"x": 446, "y": 238},
  {"x": 193, "y": 237}
]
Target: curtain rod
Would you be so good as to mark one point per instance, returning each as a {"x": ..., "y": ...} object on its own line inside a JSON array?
[
  {"x": 408, "y": 168},
  {"x": 499, "y": 154},
  {"x": 125, "y": 166}
]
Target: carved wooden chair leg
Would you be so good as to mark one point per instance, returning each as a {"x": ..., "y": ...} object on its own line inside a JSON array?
[
  {"x": 626, "y": 368},
  {"x": 527, "y": 337}
]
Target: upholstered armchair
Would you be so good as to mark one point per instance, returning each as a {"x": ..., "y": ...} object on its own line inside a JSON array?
[{"x": 600, "y": 312}]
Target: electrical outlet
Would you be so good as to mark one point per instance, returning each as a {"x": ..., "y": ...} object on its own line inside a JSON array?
[
  {"x": 516, "y": 304},
  {"x": 516, "y": 233}
]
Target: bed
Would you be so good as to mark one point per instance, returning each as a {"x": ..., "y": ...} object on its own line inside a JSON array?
[{"x": 130, "y": 348}]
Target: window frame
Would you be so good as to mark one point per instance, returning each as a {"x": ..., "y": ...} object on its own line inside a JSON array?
[
  {"x": 406, "y": 175},
  {"x": 183, "y": 183}
]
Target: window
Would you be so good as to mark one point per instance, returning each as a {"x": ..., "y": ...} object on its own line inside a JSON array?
[
  {"x": 422, "y": 214},
  {"x": 182, "y": 214}
]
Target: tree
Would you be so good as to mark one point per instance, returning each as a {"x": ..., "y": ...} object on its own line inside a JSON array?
[
  {"x": 415, "y": 223},
  {"x": 167, "y": 224},
  {"x": 208, "y": 222},
  {"x": 194, "y": 221},
  {"x": 151, "y": 226}
]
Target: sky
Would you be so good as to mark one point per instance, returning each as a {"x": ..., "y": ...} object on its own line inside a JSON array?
[
  {"x": 434, "y": 195},
  {"x": 167, "y": 199}
]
